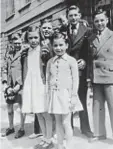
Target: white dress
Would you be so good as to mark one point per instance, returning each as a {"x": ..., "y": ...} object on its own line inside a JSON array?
[
  {"x": 62, "y": 81},
  {"x": 34, "y": 89}
]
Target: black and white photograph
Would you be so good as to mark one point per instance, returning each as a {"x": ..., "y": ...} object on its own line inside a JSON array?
[{"x": 56, "y": 82}]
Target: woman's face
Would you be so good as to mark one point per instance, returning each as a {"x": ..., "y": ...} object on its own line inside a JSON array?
[
  {"x": 33, "y": 38},
  {"x": 100, "y": 22},
  {"x": 47, "y": 29}
]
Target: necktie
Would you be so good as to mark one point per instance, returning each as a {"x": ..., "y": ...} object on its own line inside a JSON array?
[
  {"x": 73, "y": 27},
  {"x": 74, "y": 30},
  {"x": 99, "y": 35}
]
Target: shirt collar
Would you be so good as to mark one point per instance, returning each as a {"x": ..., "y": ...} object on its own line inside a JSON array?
[
  {"x": 103, "y": 32},
  {"x": 64, "y": 57},
  {"x": 77, "y": 27},
  {"x": 34, "y": 49}
]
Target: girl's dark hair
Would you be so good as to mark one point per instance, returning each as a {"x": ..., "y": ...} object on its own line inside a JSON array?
[
  {"x": 61, "y": 35},
  {"x": 30, "y": 29},
  {"x": 99, "y": 11}
]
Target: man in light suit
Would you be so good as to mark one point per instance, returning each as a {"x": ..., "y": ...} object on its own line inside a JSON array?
[
  {"x": 101, "y": 57},
  {"x": 78, "y": 31}
]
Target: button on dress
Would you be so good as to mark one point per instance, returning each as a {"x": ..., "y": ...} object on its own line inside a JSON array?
[{"x": 62, "y": 82}]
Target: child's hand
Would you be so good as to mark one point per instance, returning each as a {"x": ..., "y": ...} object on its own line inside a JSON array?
[
  {"x": 4, "y": 86},
  {"x": 73, "y": 102},
  {"x": 45, "y": 55},
  {"x": 24, "y": 53},
  {"x": 81, "y": 64},
  {"x": 10, "y": 91},
  {"x": 16, "y": 88}
]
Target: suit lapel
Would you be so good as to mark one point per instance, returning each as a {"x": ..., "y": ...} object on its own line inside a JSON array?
[
  {"x": 10, "y": 55},
  {"x": 99, "y": 45},
  {"x": 17, "y": 55},
  {"x": 81, "y": 31}
]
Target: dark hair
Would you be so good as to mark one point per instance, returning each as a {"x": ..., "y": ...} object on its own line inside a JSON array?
[
  {"x": 16, "y": 36},
  {"x": 60, "y": 35},
  {"x": 73, "y": 7},
  {"x": 46, "y": 20},
  {"x": 30, "y": 29},
  {"x": 99, "y": 11}
]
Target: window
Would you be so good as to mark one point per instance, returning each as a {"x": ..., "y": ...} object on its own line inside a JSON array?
[
  {"x": 10, "y": 9},
  {"x": 24, "y": 2}
]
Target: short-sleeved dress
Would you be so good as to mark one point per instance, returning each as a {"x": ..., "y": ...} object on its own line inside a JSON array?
[
  {"x": 34, "y": 89},
  {"x": 62, "y": 82}
]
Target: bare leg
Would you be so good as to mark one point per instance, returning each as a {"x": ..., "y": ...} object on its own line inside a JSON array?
[
  {"x": 42, "y": 123},
  {"x": 22, "y": 118},
  {"x": 68, "y": 129},
  {"x": 48, "y": 124},
  {"x": 10, "y": 115},
  {"x": 59, "y": 130}
]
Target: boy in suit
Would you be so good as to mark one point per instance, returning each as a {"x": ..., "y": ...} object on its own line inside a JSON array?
[
  {"x": 77, "y": 31},
  {"x": 101, "y": 58},
  {"x": 13, "y": 83}
]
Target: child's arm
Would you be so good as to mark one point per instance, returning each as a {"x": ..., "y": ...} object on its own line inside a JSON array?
[
  {"x": 75, "y": 84},
  {"x": 48, "y": 76},
  {"x": 75, "y": 77},
  {"x": 5, "y": 71}
]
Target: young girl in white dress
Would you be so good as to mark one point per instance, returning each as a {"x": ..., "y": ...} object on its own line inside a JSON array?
[
  {"x": 62, "y": 83},
  {"x": 34, "y": 100}
]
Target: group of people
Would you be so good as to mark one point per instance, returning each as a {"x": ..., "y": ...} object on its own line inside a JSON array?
[{"x": 49, "y": 77}]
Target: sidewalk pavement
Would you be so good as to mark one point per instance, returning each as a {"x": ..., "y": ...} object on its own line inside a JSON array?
[{"x": 79, "y": 141}]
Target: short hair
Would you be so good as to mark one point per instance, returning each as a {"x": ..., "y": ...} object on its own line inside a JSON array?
[
  {"x": 73, "y": 7},
  {"x": 16, "y": 36},
  {"x": 99, "y": 11},
  {"x": 46, "y": 20},
  {"x": 32, "y": 29},
  {"x": 60, "y": 35}
]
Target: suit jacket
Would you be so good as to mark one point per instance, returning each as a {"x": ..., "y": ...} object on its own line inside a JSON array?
[
  {"x": 101, "y": 58},
  {"x": 12, "y": 68},
  {"x": 79, "y": 45}
]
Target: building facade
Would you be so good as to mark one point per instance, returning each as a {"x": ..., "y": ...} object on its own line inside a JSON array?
[{"x": 17, "y": 15}]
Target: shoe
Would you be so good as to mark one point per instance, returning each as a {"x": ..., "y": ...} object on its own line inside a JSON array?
[
  {"x": 95, "y": 138},
  {"x": 44, "y": 145},
  {"x": 39, "y": 145},
  {"x": 8, "y": 132},
  {"x": 19, "y": 134},
  {"x": 88, "y": 134},
  {"x": 33, "y": 136}
]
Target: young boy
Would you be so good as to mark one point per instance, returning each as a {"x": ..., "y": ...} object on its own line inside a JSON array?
[{"x": 13, "y": 83}]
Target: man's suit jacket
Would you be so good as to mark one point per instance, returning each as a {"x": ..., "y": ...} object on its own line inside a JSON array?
[
  {"x": 79, "y": 45},
  {"x": 101, "y": 58}
]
